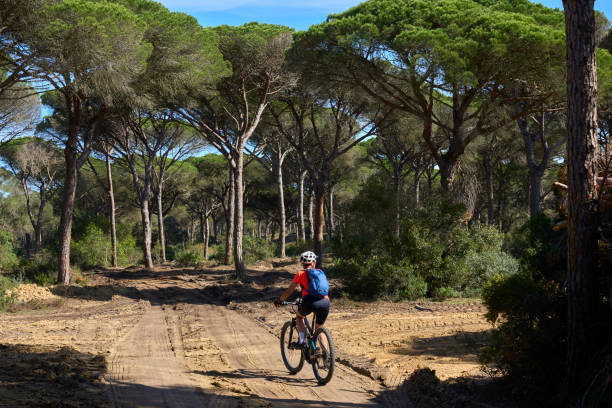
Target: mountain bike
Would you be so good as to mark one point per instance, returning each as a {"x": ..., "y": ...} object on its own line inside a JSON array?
[{"x": 318, "y": 348}]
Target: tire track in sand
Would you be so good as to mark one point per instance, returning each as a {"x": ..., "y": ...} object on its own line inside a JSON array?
[{"x": 145, "y": 372}]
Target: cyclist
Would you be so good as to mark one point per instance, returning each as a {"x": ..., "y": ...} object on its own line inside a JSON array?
[{"x": 310, "y": 303}]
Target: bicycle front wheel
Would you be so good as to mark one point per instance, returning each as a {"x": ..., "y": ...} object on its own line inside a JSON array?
[
  {"x": 324, "y": 356},
  {"x": 292, "y": 357}
]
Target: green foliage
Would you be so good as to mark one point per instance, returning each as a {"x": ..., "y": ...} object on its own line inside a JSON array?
[
  {"x": 6, "y": 284},
  {"x": 376, "y": 278},
  {"x": 255, "y": 249},
  {"x": 41, "y": 269},
  {"x": 189, "y": 257},
  {"x": 8, "y": 258},
  {"x": 93, "y": 247},
  {"x": 434, "y": 244},
  {"x": 539, "y": 248},
  {"x": 529, "y": 340}
]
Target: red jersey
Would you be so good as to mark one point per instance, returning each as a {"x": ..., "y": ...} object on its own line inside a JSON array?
[{"x": 302, "y": 279}]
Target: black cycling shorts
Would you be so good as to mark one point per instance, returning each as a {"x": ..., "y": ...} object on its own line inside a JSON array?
[{"x": 320, "y": 307}]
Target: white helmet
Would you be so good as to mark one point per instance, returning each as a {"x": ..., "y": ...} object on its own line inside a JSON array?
[{"x": 308, "y": 257}]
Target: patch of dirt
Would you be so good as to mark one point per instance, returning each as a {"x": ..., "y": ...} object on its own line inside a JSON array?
[
  {"x": 222, "y": 335},
  {"x": 37, "y": 376},
  {"x": 28, "y": 292}
]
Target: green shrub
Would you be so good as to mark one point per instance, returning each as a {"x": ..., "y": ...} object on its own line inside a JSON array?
[
  {"x": 528, "y": 344},
  {"x": 8, "y": 258},
  {"x": 93, "y": 249},
  {"x": 6, "y": 284},
  {"x": 189, "y": 257},
  {"x": 257, "y": 249},
  {"x": 41, "y": 269},
  {"x": 375, "y": 278},
  {"x": 444, "y": 292},
  {"x": 127, "y": 251}
]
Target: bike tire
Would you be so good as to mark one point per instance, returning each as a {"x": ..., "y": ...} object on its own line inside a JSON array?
[
  {"x": 325, "y": 356},
  {"x": 289, "y": 334}
]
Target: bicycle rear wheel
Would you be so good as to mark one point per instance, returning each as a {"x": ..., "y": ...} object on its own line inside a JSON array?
[
  {"x": 292, "y": 357},
  {"x": 324, "y": 356}
]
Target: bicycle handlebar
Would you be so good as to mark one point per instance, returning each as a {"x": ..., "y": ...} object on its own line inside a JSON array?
[{"x": 296, "y": 302}]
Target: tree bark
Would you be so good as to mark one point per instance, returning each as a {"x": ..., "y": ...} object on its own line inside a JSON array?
[
  {"x": 397, "y": 187},
  {"x": 300, "y": 208},
  {"x": 310, "y": 216},
  {"x": 206, "y": 237},
  {"x": 332, "y": 224},
  {"x": 281, "y": 204},
  {"x": 488, "y": 169},
  {"x": 239, "y": 215},
  {"x": 582, "y": 205},
  {"x": 160, "y": 221},
  {"x": 111, "y": 199},
  {"x": 70, "y": 183},
  {"x": 229, "y": 220},
  {"x": 318, "y": 222}
]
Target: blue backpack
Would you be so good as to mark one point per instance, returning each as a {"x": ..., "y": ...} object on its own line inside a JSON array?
[{"x": 318, "y": 285}]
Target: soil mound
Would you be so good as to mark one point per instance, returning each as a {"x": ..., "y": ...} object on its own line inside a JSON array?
[{"x": 28, "y": 292}]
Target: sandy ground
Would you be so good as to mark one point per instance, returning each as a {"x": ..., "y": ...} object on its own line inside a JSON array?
[{"x": 185, "y": 337}]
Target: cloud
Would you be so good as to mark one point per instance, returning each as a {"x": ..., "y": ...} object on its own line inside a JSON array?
[{"x": 217, "y": 5}]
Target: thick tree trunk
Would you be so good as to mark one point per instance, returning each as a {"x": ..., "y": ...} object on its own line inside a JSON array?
[
  {"x": 229, "y": 219},
  {"x": 267, "y": 230},
  {"x": 281, "y": 207},
  {"x": 160, "y": 222},
  {"x": 300, "y": 208},
  {"x": 111, "y": 199},
  {"x": 146, "y": 233},
  {"x": 239, "y": 216},
  {"x": 535, "y": 190},
  {"x": 70, "y": 183},
  {"x": 448, "y": 171},
  {"x": 318, "y": 222},
  {"x": 582, "y": 207}
]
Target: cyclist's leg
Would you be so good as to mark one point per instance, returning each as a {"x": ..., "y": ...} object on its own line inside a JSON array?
[
  {"x": 304, "y": 310},
  {"x": 321, "y": 310},
  {"x": 299, "y": 320}
]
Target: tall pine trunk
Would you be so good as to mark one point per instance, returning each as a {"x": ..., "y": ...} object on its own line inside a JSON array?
[
  {"x": 229, "y": 220},
  {"x": 206, "y": 237},
  {"x": 111, "y": 199},
  {"x": 160, "y": 221},
  {"x": 70, "y": 183},
  {"x": 318, "y": 222},
  {"x": 73, "y": 104},
  {"x": 311, "y": 216},
  {"x": 581, "y": 165},
  {"x": 281, "y": 205},
  {"x": 239, "y": 215},
  {"x": 300, "y": 208}
]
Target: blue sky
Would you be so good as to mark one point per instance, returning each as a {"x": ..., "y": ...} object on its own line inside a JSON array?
[{"x": 298, "y": 14}]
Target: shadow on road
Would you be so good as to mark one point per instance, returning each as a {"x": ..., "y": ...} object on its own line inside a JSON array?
[
  {"x": 191, "y": 286},
  {"x": 42, "y": 376}
]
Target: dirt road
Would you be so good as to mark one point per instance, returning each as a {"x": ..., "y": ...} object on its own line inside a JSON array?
[{"x": 195, "y": 338}]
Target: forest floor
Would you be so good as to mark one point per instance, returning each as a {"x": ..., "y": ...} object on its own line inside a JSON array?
[{"x": 194, "y": 337}]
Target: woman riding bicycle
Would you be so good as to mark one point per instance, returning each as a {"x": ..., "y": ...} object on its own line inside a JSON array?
[{"x": 310, "y": 302}]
